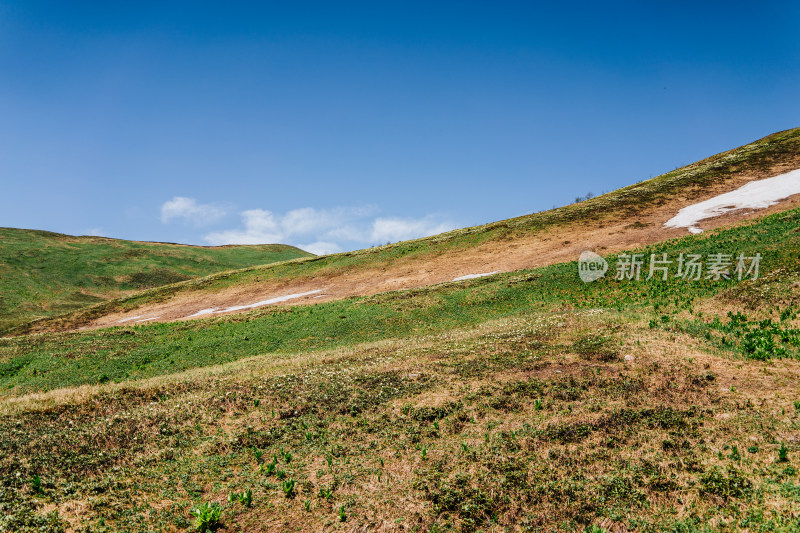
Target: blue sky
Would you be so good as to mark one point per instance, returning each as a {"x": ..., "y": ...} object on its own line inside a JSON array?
[{"x": 339, "y": 125}]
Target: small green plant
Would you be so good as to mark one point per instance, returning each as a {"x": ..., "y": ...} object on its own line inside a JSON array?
[
  {"x": 36, "y": 484},
  {"x": 783, "y": 454},
  {"x": 245, "y": 498},
  {"x": 280, "y": 474},
  {"x": 288, "y": 488},
  {"x": 287, "y": 457},
  {"x": 325, "y": 494},
  {"x": 307, "y": 505},
  {"x": 424, "y": 454},
  {"x": 537, "y": 404},
  {"x": 594, "y": 529},
  {"x": 269, "y": 468},
  {"x": 207, "y": 516},
  {"x": 256, "y": 402},
  {"x": 797, "y": 405},
  {"x": 342, "y": 514},
  {"x": 734, "y": 456},
  {"x": 258, "y": 454}
]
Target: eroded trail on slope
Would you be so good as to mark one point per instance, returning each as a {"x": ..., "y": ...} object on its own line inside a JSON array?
[{"x": 563, "y": 243}]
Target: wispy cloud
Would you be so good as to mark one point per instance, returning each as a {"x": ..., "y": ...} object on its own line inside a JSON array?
[
  {"x": 188, "y": 209},
  {"x": 401, "y": 229},
  {"x": 321, "y": 247},
  {"x": 324, "y": 231},
  {"x": 260, "y": 227},
  {"x": 95, "y": 232}
]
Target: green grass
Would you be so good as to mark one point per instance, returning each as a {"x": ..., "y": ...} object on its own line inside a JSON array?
[{"x": 44, "y": 274}]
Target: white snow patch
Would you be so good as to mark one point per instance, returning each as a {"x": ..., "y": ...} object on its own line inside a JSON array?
[
  {"x": 129, "y": 319},
  {"x": 203, "y": 312},
  {"x": 754, "y": 195},
  {"x": 212, "y": 310},
  {"x": 270, "y": 301},
  {"x": 148, "y": 319},
  {"x": 473, "y": 276}
]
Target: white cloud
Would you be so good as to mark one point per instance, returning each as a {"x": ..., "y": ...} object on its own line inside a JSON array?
[
  {"x": 95, "y": 232},
  {"x": 306, "y": 220},
  {"x": 189, "y": 210},
  {"x": 330, "y": 221},
  {"x": 321, "y": 248},
  {"x": 402, "y": 229},
  {"x": 260, "y": 227},
  {"x": 326, "y": 231}
]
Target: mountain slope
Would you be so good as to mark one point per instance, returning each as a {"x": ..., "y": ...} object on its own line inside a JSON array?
[
  {"x": 44, "y": 274},
  {"x": 522, "y": 401},
  {"x": 629, "y": 217}
]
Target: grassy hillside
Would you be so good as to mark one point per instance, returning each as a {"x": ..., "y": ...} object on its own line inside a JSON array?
[
  {"x": 45, "y": 274},
  {"x": 525, "y": 401},
  {"x": 765, "y": 155}
]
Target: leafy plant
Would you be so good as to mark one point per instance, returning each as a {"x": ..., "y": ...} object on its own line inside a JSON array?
[
  {"x": 783, "y": 454},
  {"x": 245, "y": 498},
  {"x": 36, "y": 484},
  {"x": 288, "y": 488},
  {"x": 735, "y": 454},
  {"x": 207, "y": 516},
  {"x": 759, "y": 344},
  {"x": 258, "y": 454}
]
